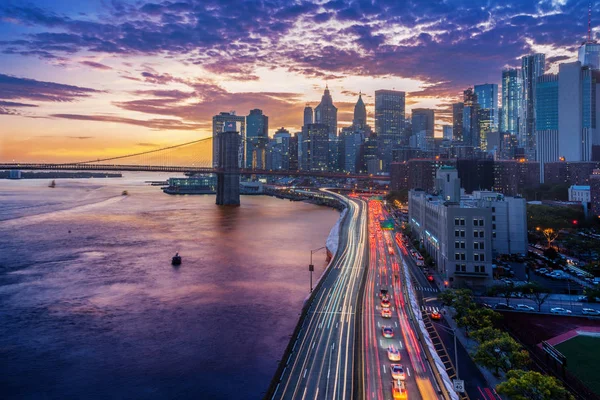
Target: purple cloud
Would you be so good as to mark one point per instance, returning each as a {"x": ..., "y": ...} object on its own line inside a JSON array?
[
  {"x": 12, "y": 87},
  {"x": 95, "y": 65}
]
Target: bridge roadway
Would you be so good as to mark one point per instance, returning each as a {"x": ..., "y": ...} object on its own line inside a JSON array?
[
  {"x": 385, "y": 272},
  {"x": 322, "y": 363},
  {"x": 173, "y": 168}
]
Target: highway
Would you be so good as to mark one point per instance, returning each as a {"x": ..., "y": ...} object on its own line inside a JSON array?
[
  {"x": 321, "y": 365},
  {"x": 385, "y": 272}
]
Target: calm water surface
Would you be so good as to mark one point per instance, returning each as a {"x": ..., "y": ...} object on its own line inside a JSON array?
[{"x": 90, "y": 306}]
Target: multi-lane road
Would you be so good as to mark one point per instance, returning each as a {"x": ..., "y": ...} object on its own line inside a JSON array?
[
  {"x": 321, "y": 365},
  {"x": 386, "y": 272}
]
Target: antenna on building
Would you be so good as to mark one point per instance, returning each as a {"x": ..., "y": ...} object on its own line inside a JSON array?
[{"x": 590, "y": 22}]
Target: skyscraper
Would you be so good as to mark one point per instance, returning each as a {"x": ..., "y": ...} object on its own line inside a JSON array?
[
  {"x": 532, "y": 67},
  {"x": 218, "y": 123},
  {"x": 422, "y": 121},
  {"x": 360, "y": 114},
  {"x": 457, "y": 121},
  {"x": 589, "y": 54},
  {"x": 326, "y": 113},
  {"x": 316, "y": 147},
  {"x": 389, "y": 123},
  {"x": 546, "y": 123},
  {"x": 487, "y": 98},
  {"x": 447, "y": 132},
  {"x": 512, "y": 91},
  {"x": 257, "y": 137},
  {"x": 470, "y": 119},
  {"x": 308, "y": 115}
]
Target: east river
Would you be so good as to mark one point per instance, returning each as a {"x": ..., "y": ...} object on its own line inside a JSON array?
[{"x": 91, "y": 308}]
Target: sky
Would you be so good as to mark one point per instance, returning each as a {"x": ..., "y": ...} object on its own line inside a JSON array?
[{"x": 95, "y": 78}]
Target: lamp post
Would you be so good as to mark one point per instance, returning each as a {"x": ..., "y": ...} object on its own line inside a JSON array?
[{"x": 311, "y": 267}]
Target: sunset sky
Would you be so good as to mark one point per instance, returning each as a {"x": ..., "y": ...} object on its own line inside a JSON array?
[{"x": 81, "y": 79}]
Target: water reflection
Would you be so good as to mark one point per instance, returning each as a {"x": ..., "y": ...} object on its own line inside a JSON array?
[{"x": 101, "y": 313}]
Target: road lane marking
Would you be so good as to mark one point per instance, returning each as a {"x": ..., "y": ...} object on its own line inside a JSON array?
[{"x": 384, "y": 368}]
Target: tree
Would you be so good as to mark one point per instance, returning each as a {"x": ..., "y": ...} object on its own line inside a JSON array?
[
  {"x": 486, "y": 334},
  {"x": 507, "y": 291},
  {"x": 531, "y": 385},
  {"x": 550, "y": 235},
  {"x": 477, "y": 318},
  {"x": 536, "y": 292},
  {"x": 501, "y": 354}
]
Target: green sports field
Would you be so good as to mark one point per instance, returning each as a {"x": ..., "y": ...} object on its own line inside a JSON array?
[{"x": 583, "y": 359}]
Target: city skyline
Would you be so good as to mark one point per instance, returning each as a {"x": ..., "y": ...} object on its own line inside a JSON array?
[{"x": 73, "y": 83}]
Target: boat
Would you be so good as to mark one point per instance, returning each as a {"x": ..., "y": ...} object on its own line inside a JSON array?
[
  {"x": 52, "y": 184},
  {"x": 176, "y": 259}
]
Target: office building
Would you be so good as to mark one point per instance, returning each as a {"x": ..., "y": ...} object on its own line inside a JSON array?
[
  {"x": 351, "y": 141},
  {"x": 389, "y": 123},
  {"x": 294, "y": 141},
  {"x": 368, "y": 157},
  {"x": 308, "y": 115},
  {"x": 447, "y": 132},
  {"x": 457, "y": 121},
  {"x": 589, "y": 54},
  {"x": 217, "y": 127},
  {"x": 546, "y": 124},
  {"x": 464, "y": 233},
  {"x": 568, "y": 114},
  {"x": 470, "y": 119},
  {"x": 326, "y": 113},
  {"x": 579, "y": 193},
  {"x": 316, "y": 147},
  {"x": 257, "y": 137},
  {"x": 359, "y": 122},
  {"x": 280, "y": 149},
  {"x": 532, "y": 67},
  {"x": 487, "y": 98},
  {"x": 422, "y": 122},
  {"x": 512, "y": 90}
]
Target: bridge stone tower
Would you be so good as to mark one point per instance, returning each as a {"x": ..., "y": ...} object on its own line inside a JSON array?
[{"x": 228, "y": 175}]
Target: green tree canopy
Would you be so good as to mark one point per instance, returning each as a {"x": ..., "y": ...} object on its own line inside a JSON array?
[
  {"x": 501, "y": 354},
  {"x": 486, "y": 334},
  {"x": 531, "y": 385}
]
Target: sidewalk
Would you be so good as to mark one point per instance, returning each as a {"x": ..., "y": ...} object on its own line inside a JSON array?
[{"x": 470, "y": 345}]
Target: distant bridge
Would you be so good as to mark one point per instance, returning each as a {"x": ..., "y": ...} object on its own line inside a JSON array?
[{"x": 190, "y": 157}]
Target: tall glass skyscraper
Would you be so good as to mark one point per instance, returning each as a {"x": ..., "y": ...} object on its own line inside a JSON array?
[
  {"x": 471, "y": 119},
  {"x": 532, "y": 67},
  {"x": 512, "y": 90},
  {"x": 389, "y": 123},
  {"x": 589, "y": 54},
  {"x": 257, "y": 137},
  {"x": 487, "y": 98},
  {"x": 457, "y": 121}
]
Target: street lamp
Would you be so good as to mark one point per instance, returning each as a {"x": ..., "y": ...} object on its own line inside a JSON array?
[{"x": 311, "y": 267}]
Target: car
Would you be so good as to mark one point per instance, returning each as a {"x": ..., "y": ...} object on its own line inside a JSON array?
[
  {"x": 385, "y": 303},
  {"x": 502, "y": 306},
  {"x": 590, "y": 311},
  {"x": 560, "y": 310},
  {"x": 435, "y": 315},
  {"x": 582, "y": 299},
  {"x": 430, "y": 278},
  {"x": 383, "y": 293},
  {"x": 386, "y": 313},
  {"x": 397, "y": 372},
  {"x": 486, "y": 305},
  {"x": 524, "y": 307},
  {"x": 393, "y": 354},
  {"x": 387, "y": 332},
  {"x": 398, "y": 390}
]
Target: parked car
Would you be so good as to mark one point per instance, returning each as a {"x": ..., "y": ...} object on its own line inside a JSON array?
[
  {"x": 524, "y": 307},
  {"x": 560, "y": 310},
  {"x": 590, "y": 311},
  {"x": 502, "y": 306}
]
